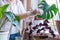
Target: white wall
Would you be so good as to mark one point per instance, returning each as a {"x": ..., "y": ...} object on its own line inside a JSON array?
[
  {"x": 25, "y": 4},
  {"x": 34, "y": 4}
]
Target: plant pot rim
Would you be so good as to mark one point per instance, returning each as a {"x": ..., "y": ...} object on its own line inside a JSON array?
[
  {"x": 57, "y": 20},
  {"x": 3, "y": 32}
]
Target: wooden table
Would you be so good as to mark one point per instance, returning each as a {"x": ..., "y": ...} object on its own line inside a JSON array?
[
  {"x": 49, "y": 38},
  {"x": 38, "y": 37}
]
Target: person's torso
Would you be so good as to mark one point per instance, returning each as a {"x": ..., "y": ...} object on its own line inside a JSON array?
[{"x": 15, "y": 8}]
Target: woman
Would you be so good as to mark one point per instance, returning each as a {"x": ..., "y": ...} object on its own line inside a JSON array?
[{"x": 17, "y": 8}]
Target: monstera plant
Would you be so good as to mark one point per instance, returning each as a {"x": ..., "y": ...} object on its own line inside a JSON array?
[
  {"x": 48, "y": 11},
  {"x": 8, "y": 16}
]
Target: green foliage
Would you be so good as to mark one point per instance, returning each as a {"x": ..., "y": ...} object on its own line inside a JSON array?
[
  {"x": 3, "y": 9},
  {"x": 39, "y": 16},
  {"x": 15, "y": 20},
  {"x": 48, "y": 11}
]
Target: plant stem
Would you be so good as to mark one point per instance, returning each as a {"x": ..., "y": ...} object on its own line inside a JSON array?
[
  {"x": 54, "y": 24},
  {"x": 3, "y": 21}
]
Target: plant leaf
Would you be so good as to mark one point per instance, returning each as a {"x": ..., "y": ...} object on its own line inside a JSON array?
[
  {"x": 15, "y": 20},
  {"x": 48, "y": 11},
  {"x": 44, "y": 15},
  {"x": 53, "y": 7},
  {"x": 3, "y": 9},
  {"x": 39, "y": 16},
  {"x": 48, "y": 15},
  {"x": 51, "y": 14}
]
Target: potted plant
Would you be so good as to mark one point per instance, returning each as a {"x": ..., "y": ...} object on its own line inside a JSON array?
[
  {"x": 48, "y": 12},
  {"x": 7, "y": 16}
]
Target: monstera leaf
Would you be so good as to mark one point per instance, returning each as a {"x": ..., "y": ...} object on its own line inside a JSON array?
[
  {"x": 15, "y": 20},
  {"x": 3, "y": 9},
  {"x": 48, "y": 11}
]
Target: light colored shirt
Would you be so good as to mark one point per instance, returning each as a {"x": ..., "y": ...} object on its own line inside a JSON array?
[{"x": 17, "y": 8}]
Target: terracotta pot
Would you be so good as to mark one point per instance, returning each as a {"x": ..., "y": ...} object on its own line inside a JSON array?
[{"x": 58, "y": 25}]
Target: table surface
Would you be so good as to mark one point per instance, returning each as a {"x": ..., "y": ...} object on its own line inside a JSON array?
[{"x": 57, "y": 37}]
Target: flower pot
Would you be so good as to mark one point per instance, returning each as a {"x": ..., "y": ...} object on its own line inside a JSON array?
[
  {"x": 58, "y": 25},
  {"x": 4, "y": 35}
]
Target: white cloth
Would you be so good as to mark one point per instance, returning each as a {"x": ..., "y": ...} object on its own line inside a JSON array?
[{"x": 17, "y": 8}]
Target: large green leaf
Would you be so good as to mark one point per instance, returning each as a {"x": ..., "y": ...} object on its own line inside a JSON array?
[
  {"x": 44, "y": 16},
  {"x": 53, "y": 8},
  {"x": 39, "y": 16},
  {"x": 15, "y": 20},
  {"x": 51, "y": 14},
  {"x": 3, "y": 9},
  {"x": 48, "y": 11}
]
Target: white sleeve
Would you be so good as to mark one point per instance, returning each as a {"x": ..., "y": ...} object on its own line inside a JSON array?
[
  {"x": 1, "y": 3},
  {"x": 21, "y": 7}
]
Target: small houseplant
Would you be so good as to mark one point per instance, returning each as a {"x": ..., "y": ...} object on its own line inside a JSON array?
[
  {"x": 48, "y": 11},
  {"x": 7, "y": 16}
]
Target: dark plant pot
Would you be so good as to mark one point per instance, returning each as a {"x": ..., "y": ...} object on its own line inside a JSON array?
[{"x": 58, "y": 25}]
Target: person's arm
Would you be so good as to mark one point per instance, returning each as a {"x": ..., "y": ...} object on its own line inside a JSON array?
[
  {"x": 22, "y": 11},
  {"x": 23, "y": 16}
]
